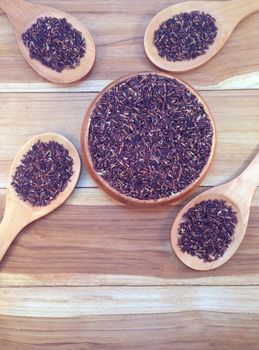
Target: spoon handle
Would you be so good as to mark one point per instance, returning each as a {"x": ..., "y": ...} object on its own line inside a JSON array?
[
  {"x": 245, "y": 8},
  {"x": 19, "y": 12},
  {"x": 15, "y": 218},
  {"x": 250, "y": 177}
]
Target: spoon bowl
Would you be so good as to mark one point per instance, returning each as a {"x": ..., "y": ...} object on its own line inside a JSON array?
[
  {"x": 22, "y": 15},
  {"x": 238, "y": 194},
  {"x": 18, "y": 213},
  {"x": 227, "y": 14}
]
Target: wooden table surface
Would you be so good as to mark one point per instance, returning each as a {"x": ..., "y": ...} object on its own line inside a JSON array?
[{"x": 96, "y": 274}]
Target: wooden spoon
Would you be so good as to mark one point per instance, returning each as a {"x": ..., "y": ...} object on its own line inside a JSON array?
[
  {"x": 227, "y": 14},
  {"x": 19, "y": 214},
  {"x": 238, "y": 193},
  {"x": 22, "y": 15}
]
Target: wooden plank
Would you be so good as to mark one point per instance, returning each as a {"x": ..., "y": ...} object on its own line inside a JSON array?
[
  {"x": 129, "y": 318},
  {"x": 119, "y": 33},
  {"x": 242, "y": 81},
  {"x": 99, "y": 244},
  {"x": 178, "y": 331},
  {"x": 24, "y": 115},
  {"x": 118, "y": 300}
]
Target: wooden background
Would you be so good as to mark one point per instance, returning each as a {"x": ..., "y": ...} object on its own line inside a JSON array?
[{"x": 99, "y": 275}]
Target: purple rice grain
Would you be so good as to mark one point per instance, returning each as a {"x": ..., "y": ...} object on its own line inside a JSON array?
[
  {"x": 185, "y": 36},
  {"x": 55, "y": 43},
  {"x": 207, "y": 230},
  {"x": 44, "y": 172},
  {"x": 149, "y": 137}
]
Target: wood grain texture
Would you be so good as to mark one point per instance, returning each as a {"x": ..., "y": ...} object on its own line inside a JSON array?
[
  {"x": 56, "y": 251},
  {"x": 86, "y": 301},
  {"x": 236, "y": 115},
  {"x": 200, "y": 330},
  {"x": 118, "y": 30},
  {"x": 130, "y": 318}
]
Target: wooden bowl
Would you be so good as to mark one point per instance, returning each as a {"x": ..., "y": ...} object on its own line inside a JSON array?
[{"x": 105, "y": 185}]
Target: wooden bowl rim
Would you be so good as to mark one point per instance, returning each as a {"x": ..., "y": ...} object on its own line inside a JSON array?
[{"x": 110, "y": 190}]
